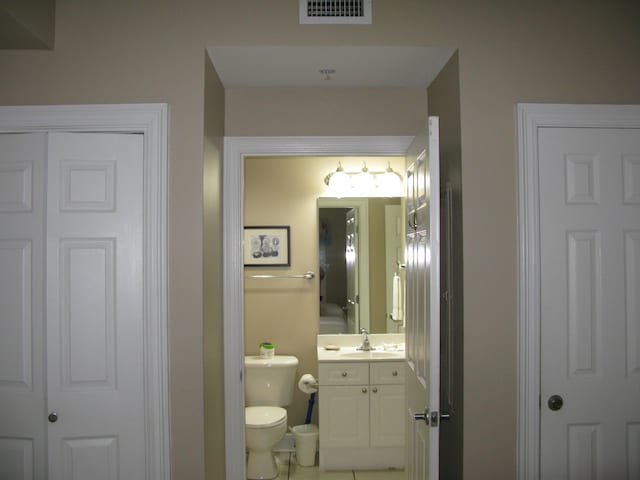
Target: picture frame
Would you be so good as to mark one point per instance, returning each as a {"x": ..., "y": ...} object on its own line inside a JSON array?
[{"x": 267, "y": 246}]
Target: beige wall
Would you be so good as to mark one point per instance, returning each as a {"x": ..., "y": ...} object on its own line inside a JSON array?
[
  {"x": 151, "y": 51},
  {"x": 444, "y": 102},
  {"x": 212, "y": 273},
  {"x": 284, "y": 191},
  {"x": 27, "y": 24},
  {"x": 378, "y": 279},
  {"x": 316, "y": 111}
]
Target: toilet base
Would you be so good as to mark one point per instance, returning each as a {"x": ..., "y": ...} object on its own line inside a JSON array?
[{"x": 262, "y": 466}]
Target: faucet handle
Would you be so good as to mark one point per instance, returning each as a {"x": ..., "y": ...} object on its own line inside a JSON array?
[{"x": 364, "y": 331}]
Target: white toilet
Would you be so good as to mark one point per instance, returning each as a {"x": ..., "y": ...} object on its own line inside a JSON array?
[{"x": 269, "y": 384}]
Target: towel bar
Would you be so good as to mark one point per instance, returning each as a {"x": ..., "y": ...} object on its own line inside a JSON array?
[{"x": 306, "y": 275}]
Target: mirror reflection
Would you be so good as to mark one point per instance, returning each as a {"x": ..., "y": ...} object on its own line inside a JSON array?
[{"x": 361, "y": 249}]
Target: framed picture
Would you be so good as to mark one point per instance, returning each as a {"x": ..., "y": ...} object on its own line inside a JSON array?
[{"x": 266, "y": 247}]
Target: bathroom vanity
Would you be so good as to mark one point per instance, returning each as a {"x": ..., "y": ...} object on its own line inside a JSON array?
[{"x": 361, "y": 403}]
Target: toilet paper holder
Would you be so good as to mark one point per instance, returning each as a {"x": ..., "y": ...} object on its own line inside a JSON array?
[{"x": 308, "y": 383}]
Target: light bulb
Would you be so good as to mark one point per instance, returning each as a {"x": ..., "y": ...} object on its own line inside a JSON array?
[
  {"x": 339, "y": 182},
  {"x": 365, "y": 182},
  {"x": 391, "y": 182}
]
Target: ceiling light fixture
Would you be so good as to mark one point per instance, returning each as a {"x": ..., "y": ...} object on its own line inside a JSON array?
[
  {"x": 327, "y": 72},
  {"x": 364, "y": 182}
]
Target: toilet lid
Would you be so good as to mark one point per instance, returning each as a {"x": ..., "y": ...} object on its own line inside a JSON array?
[{"x": 264, "y": 417}]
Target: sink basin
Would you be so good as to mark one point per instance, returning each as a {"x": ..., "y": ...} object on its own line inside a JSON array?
[{"x": 372, "y": 354}]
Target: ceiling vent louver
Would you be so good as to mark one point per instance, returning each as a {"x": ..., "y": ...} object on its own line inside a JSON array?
[{"x": 335, "y": 11}]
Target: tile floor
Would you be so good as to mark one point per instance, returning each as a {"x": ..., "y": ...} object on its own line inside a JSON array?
[{"x": 290, "y": 470}]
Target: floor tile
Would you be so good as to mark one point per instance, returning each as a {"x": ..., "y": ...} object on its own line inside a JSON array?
[
  {"x": 313, "y": 473},
  {"x": 290, "y": 470}
]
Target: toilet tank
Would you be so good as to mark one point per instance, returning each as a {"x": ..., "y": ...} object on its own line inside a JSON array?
[{"x": 269, "y": 381}]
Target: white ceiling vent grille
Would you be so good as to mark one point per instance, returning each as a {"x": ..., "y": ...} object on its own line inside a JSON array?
[{"x": 335, "y": 11}]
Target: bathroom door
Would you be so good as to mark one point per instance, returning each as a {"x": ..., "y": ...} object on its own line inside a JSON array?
[
  {"x": 351, "y": 256},
  {"x": 590, "y": 302},
  {"x": 423, "y": 304}
]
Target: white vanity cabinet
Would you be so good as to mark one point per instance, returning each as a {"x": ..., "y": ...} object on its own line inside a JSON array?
[{"x": 361, "y": 414}]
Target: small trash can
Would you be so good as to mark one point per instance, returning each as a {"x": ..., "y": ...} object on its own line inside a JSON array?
[{"x": 306, "y": 439}]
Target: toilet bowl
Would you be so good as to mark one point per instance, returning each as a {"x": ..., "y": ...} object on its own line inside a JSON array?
[
  {"x": 268, "y": 387},
  {"x": 264, "y": 427}
]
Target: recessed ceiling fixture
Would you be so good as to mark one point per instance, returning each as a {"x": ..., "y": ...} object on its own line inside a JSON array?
[
  {"x": 327, "y": 72},
  {"x": 335, "y": 11}
]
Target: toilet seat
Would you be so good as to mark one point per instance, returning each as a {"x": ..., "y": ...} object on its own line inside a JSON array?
[{"x": 264, "y": 417}]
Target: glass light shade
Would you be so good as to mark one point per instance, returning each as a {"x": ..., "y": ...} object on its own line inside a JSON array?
[
  {"x": 339, "y": 183},
  {"x": 364, "y": 181},
  {"x": 391, "y": 183}
]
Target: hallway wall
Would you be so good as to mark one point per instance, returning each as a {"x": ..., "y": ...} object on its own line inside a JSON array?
[{"x": 152, "y": 51}]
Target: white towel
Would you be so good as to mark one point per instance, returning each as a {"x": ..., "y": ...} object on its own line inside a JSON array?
[{"x": 397, "y": 313}]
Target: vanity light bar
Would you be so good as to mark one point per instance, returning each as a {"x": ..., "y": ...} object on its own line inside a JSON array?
[{"x": 364, "y": 181}]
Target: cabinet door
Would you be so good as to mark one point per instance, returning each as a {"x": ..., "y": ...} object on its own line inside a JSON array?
[
  {"x": 387, "y": 415},
  {"x": 344, "y": 416}
]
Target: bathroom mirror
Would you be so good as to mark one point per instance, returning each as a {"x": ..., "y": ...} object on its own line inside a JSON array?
[{"x": 361, "y": 248}]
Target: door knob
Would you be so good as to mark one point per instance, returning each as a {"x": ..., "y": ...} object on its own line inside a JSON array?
[
  {"x": 422, "y": 416},
  {"x": 53, "y": 417},
  {"x": 431, "y": 418},
  {"x": 555, "y": 402}
]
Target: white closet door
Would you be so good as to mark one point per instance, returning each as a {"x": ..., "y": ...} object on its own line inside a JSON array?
[
  {"x": 590, "y": 299},
  {"x": 94, "y": 301},
  {"x": 22, "y": 382}
]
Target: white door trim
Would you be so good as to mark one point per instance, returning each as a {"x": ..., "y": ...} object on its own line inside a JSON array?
[
  {"x": 151, "y": 121},
  {"x": 235, "y": 149},
  {"x": 532, "y": 117}
]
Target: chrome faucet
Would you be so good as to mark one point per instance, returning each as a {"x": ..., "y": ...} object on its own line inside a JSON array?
[{"x": 366, "y": 346}]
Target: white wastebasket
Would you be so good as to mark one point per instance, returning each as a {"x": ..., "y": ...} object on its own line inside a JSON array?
[{"x": 306, "y": 439}]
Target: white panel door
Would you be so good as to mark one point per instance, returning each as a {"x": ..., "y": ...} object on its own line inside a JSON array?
[
  {"x": 94, "y": 303},
  {"x": 22, "y": 373},
  {"x": 423, "y": 304},
  {"x": 590, "y": 300}
]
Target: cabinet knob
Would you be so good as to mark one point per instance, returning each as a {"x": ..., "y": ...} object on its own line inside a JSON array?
[
  {"x": 344, "y": 374},
  {"x": 395, "y": 373},
  {"x": 374, "y": 389},
  {"x": 53, "y": 417},
  {"x": 364, "y": 390}
]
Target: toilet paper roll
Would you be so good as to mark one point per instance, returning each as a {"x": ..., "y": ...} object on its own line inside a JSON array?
[{"x": 308, "y": 384}]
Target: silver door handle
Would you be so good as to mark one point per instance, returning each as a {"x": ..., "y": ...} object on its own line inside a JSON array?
[
  {"x": 53, "y": 417},
  {"x": 431, "y": 418},
  {"x": 422, "y": 416}
]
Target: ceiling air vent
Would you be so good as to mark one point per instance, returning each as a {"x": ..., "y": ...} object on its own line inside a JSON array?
[{"x": 335, "y": 11}]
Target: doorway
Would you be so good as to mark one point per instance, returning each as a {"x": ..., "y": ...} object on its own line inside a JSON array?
[{"x": 236, "y": 148}]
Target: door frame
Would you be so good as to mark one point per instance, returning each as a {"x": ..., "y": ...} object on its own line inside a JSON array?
[
  {"x": 531, "y": 118},
  {"x": 150, "y": 120},
  {"x": 235, "y": 149}
]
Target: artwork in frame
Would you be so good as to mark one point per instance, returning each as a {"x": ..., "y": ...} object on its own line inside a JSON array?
[{"x": 266, "y": 246}]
